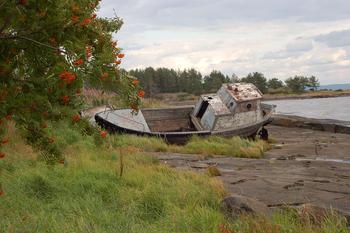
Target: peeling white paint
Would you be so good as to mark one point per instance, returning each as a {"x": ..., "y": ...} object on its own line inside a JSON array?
[{"x": 233, "y": 106}]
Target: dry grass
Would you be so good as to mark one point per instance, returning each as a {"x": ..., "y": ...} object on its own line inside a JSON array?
[
  {"x": 94, "y": 98},
  {"x": 213, "y": 171}
]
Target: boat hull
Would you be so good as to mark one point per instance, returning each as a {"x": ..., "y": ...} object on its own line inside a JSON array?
[
  {"x": 248, "y": 131},
  {"x": 170, "y": 137}
]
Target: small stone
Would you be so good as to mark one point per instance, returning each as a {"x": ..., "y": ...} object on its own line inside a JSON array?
[
  {"x": 235, "y": 205},
  {"x": 199, "y": 165},
  {"x": 277, "y": 146}
]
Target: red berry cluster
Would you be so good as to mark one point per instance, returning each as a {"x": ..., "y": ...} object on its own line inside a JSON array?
[{"x": 67, "y": 77}]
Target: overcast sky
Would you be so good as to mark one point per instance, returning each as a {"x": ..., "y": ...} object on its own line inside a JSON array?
[{"x": 280, "y": 38}]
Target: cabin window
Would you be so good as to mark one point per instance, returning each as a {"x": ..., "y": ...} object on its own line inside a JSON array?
[
  {"x": 247, "y": 107},
  {"x": 202, "y": 110}
]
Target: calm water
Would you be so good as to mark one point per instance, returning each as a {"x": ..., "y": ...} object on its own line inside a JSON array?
[{"x": 324, "y": 108}]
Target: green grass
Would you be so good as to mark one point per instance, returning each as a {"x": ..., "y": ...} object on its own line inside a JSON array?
[
  {"x": 210, "y": 146},
  {"x": 289, "y": 221},
  {"x": 214, "y": 145},
  {"x": 87, "y": 194}
]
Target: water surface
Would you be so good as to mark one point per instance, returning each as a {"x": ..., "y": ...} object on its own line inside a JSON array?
[{"x": 337, "y": 108}]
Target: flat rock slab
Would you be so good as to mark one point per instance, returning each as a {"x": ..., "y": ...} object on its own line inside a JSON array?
[
  {"x": 278, "y": 182},
  {"x": 281, "y": 178},
  {"x": 329, "y": 125},
  {"x": 293, "y": 143}
]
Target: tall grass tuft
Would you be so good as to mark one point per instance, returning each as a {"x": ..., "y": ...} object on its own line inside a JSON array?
[
  {"x": 234, "y": 146},
  {"x": 291, "y": 222},
  {"x": 213, "y": 145}
]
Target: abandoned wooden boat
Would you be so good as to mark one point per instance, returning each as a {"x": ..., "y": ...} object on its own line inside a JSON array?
[{"x": 235, "y": 110}]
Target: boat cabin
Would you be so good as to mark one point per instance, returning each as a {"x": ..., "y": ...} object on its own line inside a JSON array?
[{"x": 233, "y": 106}]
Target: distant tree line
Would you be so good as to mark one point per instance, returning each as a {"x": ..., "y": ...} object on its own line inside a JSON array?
[{"x": 165, "y": 80}]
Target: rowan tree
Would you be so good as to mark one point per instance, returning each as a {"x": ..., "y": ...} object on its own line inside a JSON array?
[{"x": 48, "y": 51}]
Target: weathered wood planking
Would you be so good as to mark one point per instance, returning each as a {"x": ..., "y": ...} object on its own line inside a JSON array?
[{"x": 167, "y": 120}]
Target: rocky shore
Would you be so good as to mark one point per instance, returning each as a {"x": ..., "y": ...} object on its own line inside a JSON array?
[
  {"x": 328, "y": 125},
  {"x": 305, "y": 167}
]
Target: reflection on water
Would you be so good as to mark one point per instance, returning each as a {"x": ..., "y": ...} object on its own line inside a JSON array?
[{"x": 323, "y": 108}]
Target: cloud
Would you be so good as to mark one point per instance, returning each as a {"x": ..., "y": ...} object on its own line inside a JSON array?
[
  {"x": 300, "y": 45},
  {"x": 280, "y": 38},
  {"x": 293, "y": 49},
  {"x": 208, "y": 12},
  {"x": 335, "y": 39}
]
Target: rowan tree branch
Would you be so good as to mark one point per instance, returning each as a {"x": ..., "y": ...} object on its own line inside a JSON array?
[
  {"x": 33, "y": 41},
  {"x": 6, "y": 24},
  {"x": 3, "y": 3}
]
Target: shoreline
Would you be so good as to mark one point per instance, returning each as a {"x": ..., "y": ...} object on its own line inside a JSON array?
[
  {"x": 268, "y": 97},
  {"x": 328, "y": 125},
  {"x": 304, "y": 166},
  {"x": 304, "y": 96}
]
